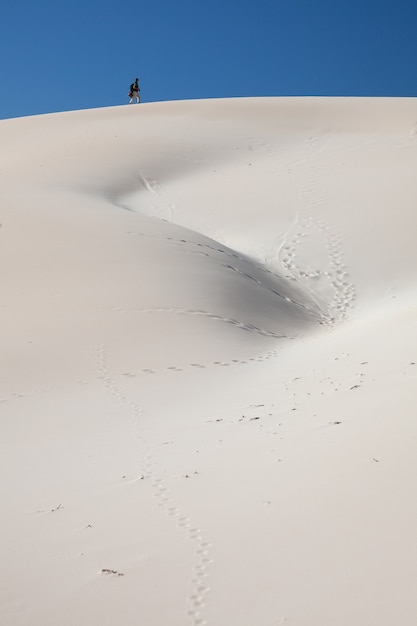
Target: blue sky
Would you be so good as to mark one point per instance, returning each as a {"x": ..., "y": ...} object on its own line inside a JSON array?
[{"x": 78, "y": 54}]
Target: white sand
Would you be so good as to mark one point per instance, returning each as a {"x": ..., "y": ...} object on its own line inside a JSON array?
[{"x": 209, "y": 364}]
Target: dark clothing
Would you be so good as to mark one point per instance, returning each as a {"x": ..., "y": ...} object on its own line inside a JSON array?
[{"x": 134, "y": 91}]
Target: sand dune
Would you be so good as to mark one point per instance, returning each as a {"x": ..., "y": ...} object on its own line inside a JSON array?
[{"x": 209, "y": 364}]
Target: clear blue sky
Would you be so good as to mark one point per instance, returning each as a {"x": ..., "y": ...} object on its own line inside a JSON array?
[{"x": 75, "y": 54}]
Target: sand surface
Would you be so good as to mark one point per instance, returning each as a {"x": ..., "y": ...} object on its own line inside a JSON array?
[{"x": 208, "y": 370}]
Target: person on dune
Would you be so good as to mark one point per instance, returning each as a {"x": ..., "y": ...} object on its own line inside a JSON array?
[{"x": 134, "y": 92}]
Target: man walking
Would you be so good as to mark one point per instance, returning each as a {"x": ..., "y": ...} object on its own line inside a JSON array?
[{"x": 134, "y": 91}]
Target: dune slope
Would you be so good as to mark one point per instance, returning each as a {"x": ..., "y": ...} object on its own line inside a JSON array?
[{"x": 209, "y": 364}]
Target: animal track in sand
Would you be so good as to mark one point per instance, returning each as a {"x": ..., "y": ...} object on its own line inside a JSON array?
[
  {"x": 259, "y": 358},
  {"x": 332, "y": 277},
  {"x": 270, "y": 289},
  {"x": 228, "y": 253},
  {"x": 195, "y": 247},
  {"x": 161, "y": 492},
  {"x": 239, "y": 324}
]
